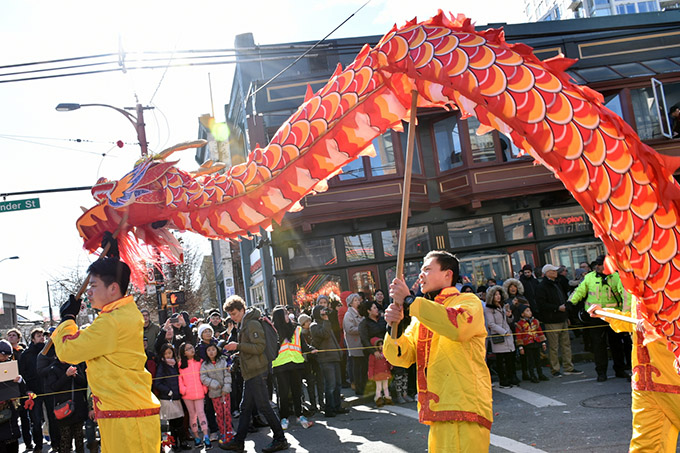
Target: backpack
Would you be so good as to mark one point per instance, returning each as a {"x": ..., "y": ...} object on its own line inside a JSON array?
[{"x": 271, "y": 336}]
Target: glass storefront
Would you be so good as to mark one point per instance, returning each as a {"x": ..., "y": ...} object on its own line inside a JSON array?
[
  {"x": 571, "y": 255},
  {"x": 517, "y": 226},
  {"x": 359, "y": 247},
  {"x": 411, "y": 272},
  {"x": 309, "y": 287},
  {"x": 417, "y": 241},
  {"x": 476, "y": 268},
  {"x": 363, "y": 280},
  {"x": 312, "y": 253},
  {"x": 571, "y": 219},
  {"x": 466, "y": 233}
]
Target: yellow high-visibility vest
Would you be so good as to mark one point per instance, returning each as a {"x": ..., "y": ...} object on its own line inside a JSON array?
[{"x": 290, "y": 351}]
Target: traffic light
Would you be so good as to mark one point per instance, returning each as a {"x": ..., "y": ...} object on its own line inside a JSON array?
[{"x": 175, "y": 298}]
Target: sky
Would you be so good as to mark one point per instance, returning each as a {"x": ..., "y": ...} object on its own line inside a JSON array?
[{"x": 38, "y": 147}]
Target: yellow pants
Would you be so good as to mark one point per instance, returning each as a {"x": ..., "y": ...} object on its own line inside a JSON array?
[
  {"x": 455, "y": 437},
  {"x": 142, "y": 434},
  {"x": 656, "y": 420}
]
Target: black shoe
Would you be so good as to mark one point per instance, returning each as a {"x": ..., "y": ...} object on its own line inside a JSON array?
[
  {"x": 623, "y": 374},
  {"x": 514, "y": 380},
  {"x": 342, "y": 410},
  {"x": 329, "y": 414},
  {"x": 526, "y": 377},
  {"x": 233, "y": 445},
  {"x": 276, "y": 445},
  {"x": 601, "y": 377},
  {"x": 543, "y": 377},
  {"x": 186, "y": 446},
  {"x": 252, "y": 429}
]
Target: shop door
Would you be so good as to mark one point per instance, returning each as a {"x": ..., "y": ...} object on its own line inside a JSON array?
[
  {"x": 571, "y": 255},
  {"x": 521, "y": 255},
  {"x": 364, "y": 278}
]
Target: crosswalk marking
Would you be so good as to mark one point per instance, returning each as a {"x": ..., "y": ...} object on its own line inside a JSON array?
[
  {"x": 530, "y": 397},
  {"x": 497, "y": 441}
]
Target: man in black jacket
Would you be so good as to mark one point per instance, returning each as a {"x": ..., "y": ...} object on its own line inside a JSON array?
[
  {"x": 530, "y": 285},
  {"x": 29, "y": 372},
  {"x": 552, "y": 311}
]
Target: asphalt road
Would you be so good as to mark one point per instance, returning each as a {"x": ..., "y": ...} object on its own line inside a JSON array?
[{"x": 569, "y": 414}]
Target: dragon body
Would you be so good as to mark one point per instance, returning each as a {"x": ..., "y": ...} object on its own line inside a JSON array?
[{"x": 625, "y": 187}]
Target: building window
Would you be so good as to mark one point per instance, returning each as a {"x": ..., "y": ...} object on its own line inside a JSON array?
[
  {"x": 359, "y": 247},
  {"x": 466, "y": 233},
  {"x": 613, "y": 103},
  {"x": 476, "y": 268},
  {"x": 417, "y": 241},
  {"x": 571, "y": 255},
  {"x": 383, "y": 162},
  {"x": 447, "y": 141},
  {"x": 649, "y": 113},
  {"x": 508, "y": 148},
  {"x": 483, "y": 149},
  {"x": 312, "y": 253},
  {"x": 411, "y": 272},
  {"x": 403, "y": 138},
  {"x": 517, "y": 226},
  {"x": 353, "y": 170},
  {"x": 520, "y": 258},
  {"x": 309, "y": 287},
  {"x": 567, "y": 220}
]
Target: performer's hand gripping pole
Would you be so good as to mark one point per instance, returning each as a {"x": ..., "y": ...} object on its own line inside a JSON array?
[
  {"x": 407, "y": 194},
  {"x": 83, "y": 287}
]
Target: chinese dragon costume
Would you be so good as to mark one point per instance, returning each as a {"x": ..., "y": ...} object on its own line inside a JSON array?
[{"x": 626, "y": 188}]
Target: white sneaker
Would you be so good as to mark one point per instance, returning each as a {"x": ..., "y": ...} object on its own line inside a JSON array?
[
  {"x": 284, "y": 423},
  {"x": 304, "y": 422}
]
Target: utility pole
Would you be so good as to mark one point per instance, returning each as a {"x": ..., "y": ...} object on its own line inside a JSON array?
[{"x": 49, "y": 304}]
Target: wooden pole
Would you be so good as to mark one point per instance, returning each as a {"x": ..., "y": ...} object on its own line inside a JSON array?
[
  {"x": 607, "y": 314},
  {"x": 408, "y": 160},
  {"x": 83, "y": 287}
]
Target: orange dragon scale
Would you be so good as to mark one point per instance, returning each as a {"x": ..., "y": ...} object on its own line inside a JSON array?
[{"x": 627, "y": 189}]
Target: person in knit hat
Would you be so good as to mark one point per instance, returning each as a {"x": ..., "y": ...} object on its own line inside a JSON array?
[
  {"x": 205, "y": 339},
  {"x": 530, "y": 340},
  {"x": 379, "y": 370}
]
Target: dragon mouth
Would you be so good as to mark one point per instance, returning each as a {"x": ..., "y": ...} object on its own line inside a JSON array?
[{"x": 94, "y": 222}]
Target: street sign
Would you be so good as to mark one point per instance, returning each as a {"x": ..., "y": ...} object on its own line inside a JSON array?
[{"x": 19, "y": 205}]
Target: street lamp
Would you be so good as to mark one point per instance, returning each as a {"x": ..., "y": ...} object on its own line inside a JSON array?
[
  {"x": 137, "y": 121},
  {"x": 9, "y": 258}
]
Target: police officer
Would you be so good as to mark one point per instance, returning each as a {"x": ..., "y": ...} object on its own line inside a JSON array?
[{"x": 599, "y": 288}]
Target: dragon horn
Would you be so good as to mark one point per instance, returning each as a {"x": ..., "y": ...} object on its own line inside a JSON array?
[{"x": 181, "y": 146}]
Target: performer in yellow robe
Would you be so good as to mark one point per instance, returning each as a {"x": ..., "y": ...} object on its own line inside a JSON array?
[
  {"x": 113, "y": 347},
  {"x": 447, "y": 343},
  {"x": 656, "y": 388}
]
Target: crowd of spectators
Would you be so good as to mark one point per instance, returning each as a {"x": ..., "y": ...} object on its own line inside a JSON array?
[{"x": 213, "y": 372}]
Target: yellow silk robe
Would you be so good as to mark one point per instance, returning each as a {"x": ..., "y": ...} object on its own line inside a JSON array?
[
  {"x": 113, "y": 347},
  {"x": 656, "y": 390},
  {"x": 446, "y": 339}
]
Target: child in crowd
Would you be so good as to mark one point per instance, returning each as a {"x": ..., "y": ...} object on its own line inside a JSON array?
[
  {"x": 166, "y": 385},
  {"x": 206, "y": 338},
  {"x": 379, "y": 371},
  {"x": 530, "y": 339},
  {"x": 216, "y": 375},
  {"x": 193, "y": 392}
]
